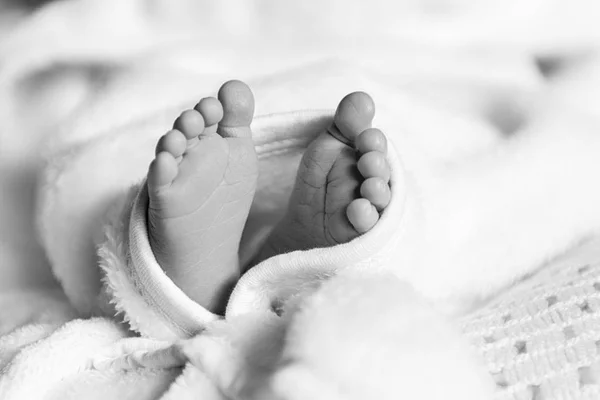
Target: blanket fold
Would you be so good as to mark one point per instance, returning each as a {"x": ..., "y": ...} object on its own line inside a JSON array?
[
  {"x": 154, "y": 306},
  {"x": 450, "y": 85}
]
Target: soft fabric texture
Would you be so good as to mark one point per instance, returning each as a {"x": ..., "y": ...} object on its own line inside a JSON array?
[
  {"x": 541, "y": 339},
  {"x": 275, "y": 279},
  {"x": 451, "y": 80}
]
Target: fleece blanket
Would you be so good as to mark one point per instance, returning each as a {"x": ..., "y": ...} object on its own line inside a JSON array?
[{"x": 448, "y": 85}]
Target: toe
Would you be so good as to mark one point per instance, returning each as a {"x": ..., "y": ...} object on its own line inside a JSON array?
[
  {"x": 212, "y": 112},
  {"x": 173, "y": 142},
  {"x": 362, "y": 215},
  {"x": 377, "y": 191},
  {"x": 353, "y": 115},
  {"x": 190, "y": 123},
  {"x": 238, "y": 109},
  {"x": 371, "y": 139},
  {"x": 373, "y": 164},
  {"x": 162, "y": 171}
]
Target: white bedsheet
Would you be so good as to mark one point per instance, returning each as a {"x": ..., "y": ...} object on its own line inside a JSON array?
[
  {"x": 55, "y": 62},
  {"x": 115, "y": 62}
]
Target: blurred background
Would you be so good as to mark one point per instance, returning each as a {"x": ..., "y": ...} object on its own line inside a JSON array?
[{"x": 71, "y": 68}]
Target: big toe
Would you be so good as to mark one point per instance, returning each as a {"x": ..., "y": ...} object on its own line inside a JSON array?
[
  {"x": 354, "y": 115},
  {"x": 238, "y": 109}
]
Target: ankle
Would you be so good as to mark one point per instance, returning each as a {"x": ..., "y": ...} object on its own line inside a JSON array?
[{"x": 213, "y": 297}]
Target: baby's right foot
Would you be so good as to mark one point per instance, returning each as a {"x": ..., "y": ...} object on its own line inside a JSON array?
[
  {"x": 201, "y": 185},
  {"x": 342, "y": 183}
]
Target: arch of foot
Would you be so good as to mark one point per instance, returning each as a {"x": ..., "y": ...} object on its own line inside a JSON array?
[
  {"x": 541, "y": 341},
  {"x": 271, "y": 283},
  {"x": 155, "y": 306}
]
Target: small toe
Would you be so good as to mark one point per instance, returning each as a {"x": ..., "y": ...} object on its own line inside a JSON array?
[
  {"x": 362, "y": 215},
  {"x": 377, "y": 191},
  {"x": 371, "y": 139},
  {"x": 238, "y": 109},
  {"x": 173, "y": 142},
  {"x": 190, "y": 123},
  {"x": 374, "y": 164},
  {"x": 162, "y": 171},
  {"x": 212, "y": 112},
  {"x": 354, "y": 115}
]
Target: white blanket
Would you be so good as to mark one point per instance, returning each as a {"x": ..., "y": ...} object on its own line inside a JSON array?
[{"x": 79, "y": 89}]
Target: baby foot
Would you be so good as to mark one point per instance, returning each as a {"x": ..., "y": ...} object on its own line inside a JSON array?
[
  {"x": 201, "y": 185},
  {"x": 342, "y": 183}
]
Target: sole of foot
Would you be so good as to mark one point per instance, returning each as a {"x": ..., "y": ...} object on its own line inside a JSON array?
[
  {"x": 342, "y": 185},
  {"x": 201, "y": 186}
]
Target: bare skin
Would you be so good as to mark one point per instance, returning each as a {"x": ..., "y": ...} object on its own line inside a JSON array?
[
  {"x": 202, "y": 182},
  {"x": 342, "y": 183},
  {"x": 201, "y": 185}
]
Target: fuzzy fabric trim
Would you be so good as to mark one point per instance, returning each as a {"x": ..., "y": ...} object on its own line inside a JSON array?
[{"x": 118, "y": 282}]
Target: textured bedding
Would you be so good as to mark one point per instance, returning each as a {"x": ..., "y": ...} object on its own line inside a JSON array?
[{"x": 85, "y": 83}]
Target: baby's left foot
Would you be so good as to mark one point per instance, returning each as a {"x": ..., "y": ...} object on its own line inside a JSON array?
[
  {"x": 342, "y": 183},
  {"x": 201, "y": 186}
]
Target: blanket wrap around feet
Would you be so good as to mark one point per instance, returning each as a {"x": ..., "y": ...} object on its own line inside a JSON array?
[
  {"x": 324, "y": 323},
  {"x": 347, "y": 322}
]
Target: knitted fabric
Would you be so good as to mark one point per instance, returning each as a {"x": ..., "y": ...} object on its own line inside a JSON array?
[{"x": 541, "y": 339}]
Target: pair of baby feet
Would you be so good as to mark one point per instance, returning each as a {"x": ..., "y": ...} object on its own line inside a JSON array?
[{"x": 202, "y": 183}]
